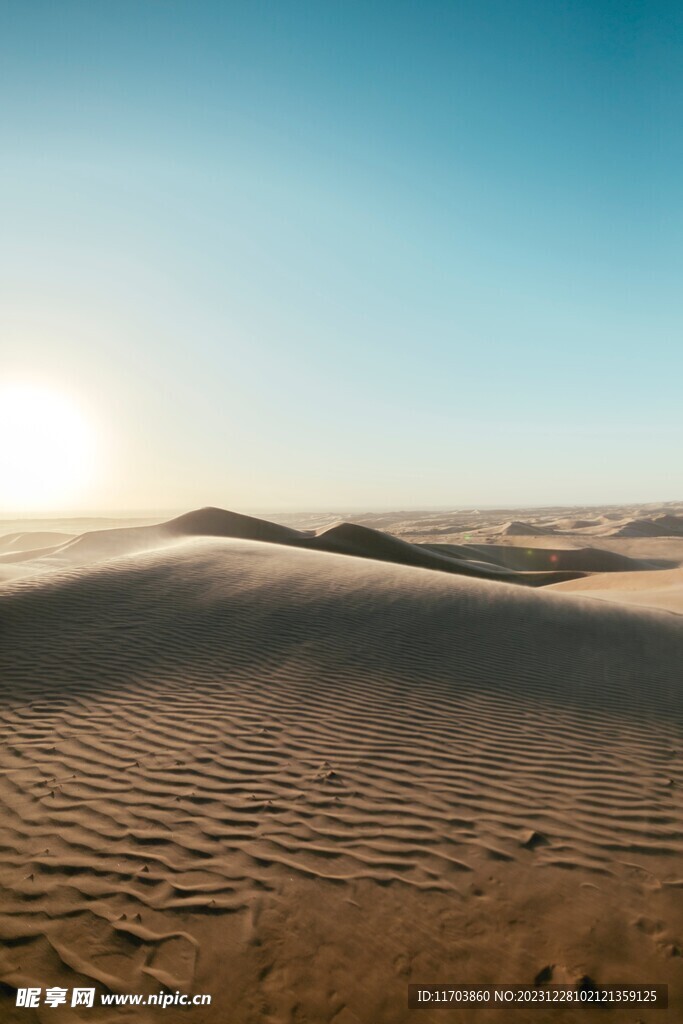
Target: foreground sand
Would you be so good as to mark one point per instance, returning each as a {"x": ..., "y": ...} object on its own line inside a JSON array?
[{"x": 299, "y": 780}]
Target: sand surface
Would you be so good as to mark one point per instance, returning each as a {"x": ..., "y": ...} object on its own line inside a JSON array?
[{"x": 298, "y": 765}]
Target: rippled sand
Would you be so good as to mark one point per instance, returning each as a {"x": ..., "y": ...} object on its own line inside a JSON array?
[{"x": 299, "y": 779}]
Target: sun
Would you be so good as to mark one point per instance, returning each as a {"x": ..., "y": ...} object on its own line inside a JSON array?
[{"x": 47, "y": 449}]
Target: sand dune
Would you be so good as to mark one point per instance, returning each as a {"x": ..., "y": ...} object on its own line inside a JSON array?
[
  {"x": 659, "y": 526},
  {"x": 362, "y": 542},
  {"x": 218, "y": 522},
  {"x": 529, "y": 553},
  {"x": 583, "y": 560},
  {"x": 299, "y": 780},
  {"x": 343, "y": 538},
  {"x": 32, "y": 541},
  {"x": 516, "y": 528},
  {"x": 661, "y": 589}
]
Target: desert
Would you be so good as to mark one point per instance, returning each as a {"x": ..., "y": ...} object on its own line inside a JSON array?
[
  {"x": 341, "y": 512},
  {"x": 299, "y": 765}
]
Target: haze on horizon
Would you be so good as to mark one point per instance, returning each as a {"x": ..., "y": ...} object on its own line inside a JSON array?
[{"x": 300, "y": 256}]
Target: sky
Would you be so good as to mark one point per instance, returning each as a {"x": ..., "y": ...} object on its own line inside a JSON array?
[{"x": 301, "y": 255}]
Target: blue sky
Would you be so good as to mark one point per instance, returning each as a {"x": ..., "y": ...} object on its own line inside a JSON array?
[{"x": 346, "y": 255}]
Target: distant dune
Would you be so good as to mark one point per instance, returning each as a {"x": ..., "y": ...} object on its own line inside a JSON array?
[
  {"x": 297, "y": 771},
  {"x": 520, "y": 529},
  {"x": 659, "y": 526},
  {"x": 20, "y": 542}
]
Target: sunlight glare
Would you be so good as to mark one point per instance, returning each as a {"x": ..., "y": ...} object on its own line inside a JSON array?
[{"x": 46, "y": 449}]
